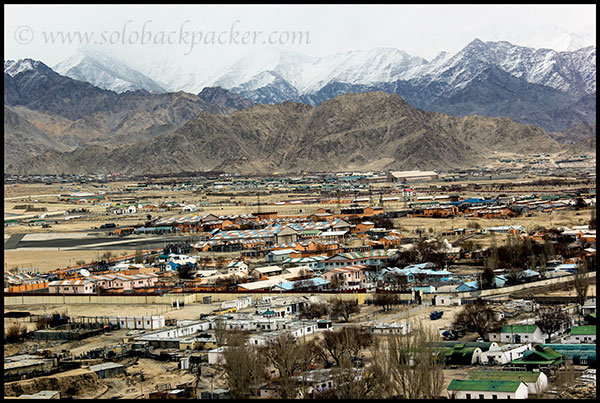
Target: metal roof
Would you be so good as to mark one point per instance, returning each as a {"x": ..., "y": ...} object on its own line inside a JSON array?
[
  {"x": 484, "y": 385},
  {"x": 105, "y": 366},
  {"x": 524, "y": 376},
  {"x": 583, "y": 330}
]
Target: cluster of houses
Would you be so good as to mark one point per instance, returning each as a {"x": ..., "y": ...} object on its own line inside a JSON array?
[
  {"x": 294, "y": 263},
  {"x": 524, "y": 358},
  {"x": 517, "y": 366},
  {"x": 93, "y": 284},
  {"x": 506, "y": 207}
]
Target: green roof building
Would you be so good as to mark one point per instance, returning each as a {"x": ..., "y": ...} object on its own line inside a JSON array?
[
  {"x": 582, "y": 334},
  {"x": 583, "y": 330},
  {"x": 487, "y": 389},
  {"x": 539, "y": 358},
  {"x": 537, "y": 382},
  {"x": 461, "y": 353},
  {"x": 520, "y": 334},
  {"x": 579, "y": 354}
]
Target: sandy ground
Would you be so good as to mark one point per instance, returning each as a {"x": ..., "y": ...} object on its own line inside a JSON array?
[
  {"x": 47, "y": 260},
  {"x": 190, "y": 311},
  {"x": 51, "y": 259},
  {"x": 572, "y": 293},
  {"x": 46, "y": 196},
  {"x": 439, "y": 225},
  {"x": 140, "y": 378}
]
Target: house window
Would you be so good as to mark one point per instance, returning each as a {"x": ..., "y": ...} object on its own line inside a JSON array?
[
  {"x": 468, "y": 396},
  {"x": 481, "y": 396},
  {"x": 494, "y": 397}
]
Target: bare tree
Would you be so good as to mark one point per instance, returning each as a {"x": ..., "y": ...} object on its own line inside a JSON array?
[
  {"x": 350, "y": 382},
  {"x": 551, "y": 319},
  {"x": 304, "y": 274},
  {"x": 43, "y": 322},
  {"x": 220, "y": 330},
  {"x": 344, "y": 308},
  {"x": 479, "y": 317},
  {"x": 14, "y": 332},
  {"x": 343, "y": 344},
  {"x": 487, "y": 278},
  {"x": 335, "y": 283},
  {"x": 289, "y": 357},
  {"x": 139, "y": 255},
  {"x": 243, "y": 366},
  {"x": 312, "y": 311},
  {"x": 408, "y": 366},
  {"x": 186, "y": 271},
  {"x": 564, "y": 380},
  {"x": 581, "y": 282},
  {"x": 386, "y": 300}
]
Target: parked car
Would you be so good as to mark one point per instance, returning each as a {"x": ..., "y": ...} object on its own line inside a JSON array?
[{"x": 436, "y": 315}]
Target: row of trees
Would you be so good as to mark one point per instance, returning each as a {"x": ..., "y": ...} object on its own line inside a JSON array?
[
  {"x": 516, "y": 255},
  {"x": 361, "y": 365},
  {"x": 423, "y": 251},
  {"x": 481, "y": 317},
  {"x": 336, "y": 309}
]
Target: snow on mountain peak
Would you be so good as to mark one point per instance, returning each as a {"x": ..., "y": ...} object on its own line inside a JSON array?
[
  {"x": 14, "y": 67},
  {"x": 104, "y": 72},
  {"x": 262, "y": 67}
]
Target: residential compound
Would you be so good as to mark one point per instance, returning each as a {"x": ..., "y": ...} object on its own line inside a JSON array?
[{"x": 410, "y": 252}]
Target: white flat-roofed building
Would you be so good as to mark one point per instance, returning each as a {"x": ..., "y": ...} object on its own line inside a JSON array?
[
  {"x": 416, "y": 175},
  {"x": 500, "y": 355},
  {"x": 487, "y": 389}
]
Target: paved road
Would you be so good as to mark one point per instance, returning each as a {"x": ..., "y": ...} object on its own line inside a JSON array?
[
  {"x": 385, "y": 319},
  {"x": 96, "y": 243},
  {"x": 28, "y": 196},
  {"x": 13, "y": 241}
]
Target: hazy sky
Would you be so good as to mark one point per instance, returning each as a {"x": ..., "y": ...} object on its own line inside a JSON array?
[{"x": 420, "y": 30}]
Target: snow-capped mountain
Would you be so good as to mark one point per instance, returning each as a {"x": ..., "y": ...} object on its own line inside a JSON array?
[
  {"x": 570, "y": 72},
  {"x": 14, "y": 67},
  {"x": 567, "y": 71},
  {"x": 553, "y": 89},
  {"x": 104, "y": 72}
]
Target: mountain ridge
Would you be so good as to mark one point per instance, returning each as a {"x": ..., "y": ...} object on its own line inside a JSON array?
[{"x": 374, "y": 129}]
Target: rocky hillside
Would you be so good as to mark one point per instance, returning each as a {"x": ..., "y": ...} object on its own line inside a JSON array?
[
  {"x": 549, "y": 88},
  {"x": 223, "y": 98},
  {"x": 353, "y": 131},
  {"x": 579, "y": 138},
  {"x": 21, "y": 137},
  {"x": 45, "y": 105}
]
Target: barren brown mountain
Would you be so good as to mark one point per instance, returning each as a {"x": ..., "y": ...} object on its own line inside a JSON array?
[{"x": 371, "y": 130}]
